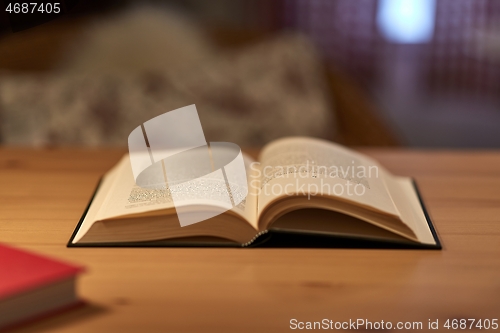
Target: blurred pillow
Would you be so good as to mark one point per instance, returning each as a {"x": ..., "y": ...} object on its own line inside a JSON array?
[{"x": 249, "y": 97}]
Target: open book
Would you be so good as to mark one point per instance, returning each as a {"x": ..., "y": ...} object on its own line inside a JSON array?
[{"x": 301, "y": 192}]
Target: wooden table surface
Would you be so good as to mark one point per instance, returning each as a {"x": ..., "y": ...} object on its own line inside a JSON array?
[{"x": 44, "y": 192}]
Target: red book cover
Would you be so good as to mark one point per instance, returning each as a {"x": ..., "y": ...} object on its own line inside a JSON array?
[{"x": 22, "y": 271}]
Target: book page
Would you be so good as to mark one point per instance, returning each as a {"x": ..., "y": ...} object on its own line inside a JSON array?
[
  {"x": 97, "y": 202},
  {"x": 310, "y": 167},
  {"x": 409, "y": 206},
  {"x": 119, "y": 196},
  {"x": 126, "y": 198}
]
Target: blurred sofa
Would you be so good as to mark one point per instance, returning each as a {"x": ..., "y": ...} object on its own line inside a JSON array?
[{"x": 249, "y": 88}]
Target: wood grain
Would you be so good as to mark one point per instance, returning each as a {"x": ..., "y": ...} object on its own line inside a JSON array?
[{"x": 43, "y": 193}]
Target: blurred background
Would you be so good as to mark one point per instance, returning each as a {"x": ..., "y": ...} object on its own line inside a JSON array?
[{"x": 418, "y": 73}]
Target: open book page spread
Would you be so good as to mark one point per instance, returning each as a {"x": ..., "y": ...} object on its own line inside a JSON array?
[
  {"x": 303, "y": 166},
  {"x": 292, "y": 174}
]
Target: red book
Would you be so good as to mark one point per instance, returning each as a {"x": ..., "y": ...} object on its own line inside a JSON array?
[{"x": 33, "y": 286}]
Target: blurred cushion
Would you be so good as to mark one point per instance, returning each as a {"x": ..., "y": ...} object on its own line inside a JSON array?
[{"x": 249, "y": 97}]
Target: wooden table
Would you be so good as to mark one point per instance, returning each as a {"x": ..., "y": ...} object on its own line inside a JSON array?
[{"x": 43, "y": 194}]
